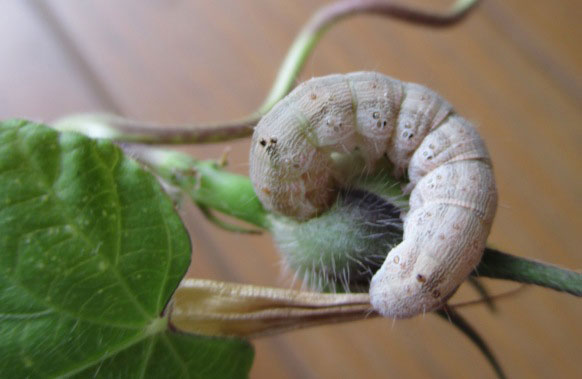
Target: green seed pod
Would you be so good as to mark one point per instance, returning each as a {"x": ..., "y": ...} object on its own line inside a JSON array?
[{"x": 342, "y": 249}]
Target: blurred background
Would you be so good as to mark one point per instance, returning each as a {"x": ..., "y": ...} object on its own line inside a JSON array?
[{"x": 514, "y": 68}]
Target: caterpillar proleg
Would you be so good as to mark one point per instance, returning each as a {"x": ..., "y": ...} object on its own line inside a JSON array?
[{"x": 453, "y": 197}]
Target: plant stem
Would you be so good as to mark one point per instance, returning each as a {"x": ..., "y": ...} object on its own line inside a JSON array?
[
  {"x": 499, "y": 265},
  {"x": 457, "y": 320},
  {"x": 329, "y": 15},
  {"x": 205, "y": 182},
  {"x": 483, "y": 292},
  {"x": 126, "y": 130}
]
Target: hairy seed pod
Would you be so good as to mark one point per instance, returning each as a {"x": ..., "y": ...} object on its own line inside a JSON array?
[
  {"x": 341, "y": 249},
  {"x": 453, "y": 197}
]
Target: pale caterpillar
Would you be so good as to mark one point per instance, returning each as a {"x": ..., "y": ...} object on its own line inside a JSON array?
[{"x": 453, "y": 198}]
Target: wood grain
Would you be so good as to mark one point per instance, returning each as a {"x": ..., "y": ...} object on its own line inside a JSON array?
[{"x": 514, "y": 68}]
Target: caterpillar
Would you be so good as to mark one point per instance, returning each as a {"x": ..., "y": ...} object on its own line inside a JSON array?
[{"x": 453, "y": 196}]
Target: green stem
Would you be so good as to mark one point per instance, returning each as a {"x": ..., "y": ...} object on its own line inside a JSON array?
[
  {"x": 327, "y": 16},
  {"x": 499, "y": 265},
  {"x": 483, "y": 292},
  {"x": 206, "y": 182},
  {"x": 225, "y": 192},
  {"x": 122, "y": 129},
  {"x": 466, "y": 328}
]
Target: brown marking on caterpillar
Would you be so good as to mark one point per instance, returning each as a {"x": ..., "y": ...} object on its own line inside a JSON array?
[{"x": 453, "y": 197}]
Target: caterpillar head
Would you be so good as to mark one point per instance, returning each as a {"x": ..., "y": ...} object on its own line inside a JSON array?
[{"x": 287, "y": 172}]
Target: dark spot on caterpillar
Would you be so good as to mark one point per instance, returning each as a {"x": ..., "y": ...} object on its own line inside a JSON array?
[
  {"x": 384, "y": 123},
  {"x": 420, "y": 278},
  {"x": 410, "y": 135},
  {"x": 272, "y": 148},
  {"x": 379, "y": 123},
  {"x": 376, "y": 115},
  {"x": 436, "y": 293},
  {"x": 263, "y": 142}
]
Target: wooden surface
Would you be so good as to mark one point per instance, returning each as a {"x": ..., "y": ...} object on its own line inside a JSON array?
[{"x": 514, "y": 68}]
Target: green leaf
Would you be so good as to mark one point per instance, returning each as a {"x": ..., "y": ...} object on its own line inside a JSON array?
[{"x": 91, "y": 250}]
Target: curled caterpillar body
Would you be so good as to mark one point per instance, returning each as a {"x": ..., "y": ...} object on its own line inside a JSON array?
[{"x": 453, "y": 195}]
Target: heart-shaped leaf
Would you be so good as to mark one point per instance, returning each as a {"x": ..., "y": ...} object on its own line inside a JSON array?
[{"x": 91, "y": 250}]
